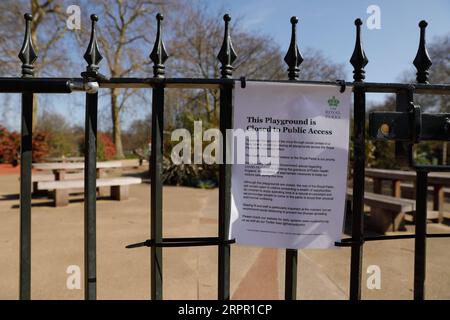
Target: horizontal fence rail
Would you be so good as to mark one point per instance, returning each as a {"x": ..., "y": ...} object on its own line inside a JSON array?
[
  {"x": 91, "y": 81},
  {"x": 69, "y": 85}
]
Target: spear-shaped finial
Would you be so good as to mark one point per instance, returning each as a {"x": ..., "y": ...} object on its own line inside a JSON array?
[
  {"x": 159, "y": 54},
  {"x": 359, "y": 58},
  {"x": 27, "y": 54},
  {"x": 422, "y": 61},
  {"x": 227, "y": 55},
  {"x": 92, "y": 54},
  {"x": 293, "y": 57}
]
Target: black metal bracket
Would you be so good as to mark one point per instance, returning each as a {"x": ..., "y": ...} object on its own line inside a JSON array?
[
  {"x": 243, "y": 82},
  {"x": 412, "y": 126},
  {"x": 342, "y": 84}
]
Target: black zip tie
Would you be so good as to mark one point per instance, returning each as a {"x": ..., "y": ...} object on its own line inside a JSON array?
[
  {"x": 243, "y": 82},
  {"x": 182, "y": 242},
  {"x": 342, "y": 84}
]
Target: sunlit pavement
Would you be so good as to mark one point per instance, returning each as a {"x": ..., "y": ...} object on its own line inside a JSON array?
[{"x": 191, "y": 273}]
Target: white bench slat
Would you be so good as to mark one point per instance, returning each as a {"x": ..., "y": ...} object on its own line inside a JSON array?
[
  {"x": 41, "y": 177},
  {"x": 103, "y": 182},
  {"x": 75, "y": 165},
  {"x": 51, "y": 177}
]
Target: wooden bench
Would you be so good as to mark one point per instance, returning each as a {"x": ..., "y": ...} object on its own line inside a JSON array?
[
  {"x": 407, "y": 190},
  {"x": 70, "y": 166},
  {"x": 387, "y": 213},
  {"x": 437, "y": 214},
  {"x": 40, "y": 177},
  {"x": 119, "y": 188},
  {"x": 63, "y": 170},
  {"x": 438, "y": 180},
  {"x": 64, "y": 159}
]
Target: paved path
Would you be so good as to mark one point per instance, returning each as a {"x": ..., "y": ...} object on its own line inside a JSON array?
[{"x": 190, "y": 273}]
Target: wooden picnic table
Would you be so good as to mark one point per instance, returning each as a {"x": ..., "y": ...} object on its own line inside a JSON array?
[
  {"x": 60, "y": 169},
  {"x": 64, "y": 159},
  {"x": 438, "y": 180},
  {"x": 66, "y": 166}
]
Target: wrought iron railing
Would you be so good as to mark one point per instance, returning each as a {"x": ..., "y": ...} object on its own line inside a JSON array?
[{"x": 413, "y": 127}]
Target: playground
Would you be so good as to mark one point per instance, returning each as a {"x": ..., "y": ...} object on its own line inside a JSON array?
[{"x": 190, "y": 273}]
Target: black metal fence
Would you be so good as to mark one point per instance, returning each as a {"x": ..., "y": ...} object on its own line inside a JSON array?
[{"x": 410, "y": 124}]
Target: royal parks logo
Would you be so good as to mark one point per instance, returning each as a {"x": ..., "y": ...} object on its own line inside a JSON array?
[
  {"x": 333, "y": 102},
  {"x": 332, "y": 112}
]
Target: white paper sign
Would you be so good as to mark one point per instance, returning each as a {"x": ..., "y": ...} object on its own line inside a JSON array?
[{"x": 302, "y": 204}]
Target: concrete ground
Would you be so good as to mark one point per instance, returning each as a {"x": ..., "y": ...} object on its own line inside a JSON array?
[{"x": 191, "y": 273}]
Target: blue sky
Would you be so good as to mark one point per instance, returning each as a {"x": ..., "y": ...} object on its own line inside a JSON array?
[
  {"x": 325, "y": 25},
  {"x": 328, "y": 25}
]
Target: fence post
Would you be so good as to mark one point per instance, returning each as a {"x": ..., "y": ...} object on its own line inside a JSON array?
[
  {"x": 293, "y": 59},
  {"x": 92, "y": 57},
  {"x": 158, "y": 56},
  {"x": 421, "y": 234},
  {"x": 422, "y": 62},
  {"x": 226, "y": 56},
  {"x": 28, "y": 56},
  {"x": 358, "y": 61}
]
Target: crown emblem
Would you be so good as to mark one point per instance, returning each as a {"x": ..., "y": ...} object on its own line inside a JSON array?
[{"x": 333, "y": 102}]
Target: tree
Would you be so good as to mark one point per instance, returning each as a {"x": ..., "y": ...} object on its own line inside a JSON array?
[
  {"x": 195, "y": 43},
  {"x": 439, "y": 73},
  {"x": 318, "y": 67},
  {"x": 61, "y": 139},
  {"x": 47, "y": 30},
  {"x": 124, "y": 43},
  {"x": 438, "y": 50},
  {"x": 139, "y": 134},
  {"x": 194, "y": 46}
]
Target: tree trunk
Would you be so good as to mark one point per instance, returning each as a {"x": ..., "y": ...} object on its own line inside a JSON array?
[
  {"x": 444, "y": 144},
  {"x": 117, "y": 131},
  {"x": 207, "y": 107},
  {"x": 444, "y": 153},
  {"x": 35, "y": 113}
]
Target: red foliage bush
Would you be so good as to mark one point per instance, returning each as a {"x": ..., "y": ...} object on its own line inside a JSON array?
[
  {"x": 10, "y": 146},
  {"x": 105, "y": 149},
  {"x": 40, "y": 145}
]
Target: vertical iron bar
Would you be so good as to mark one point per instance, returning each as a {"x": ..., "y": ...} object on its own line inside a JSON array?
[
  {"x": 25, "y": 196},
  {"x": 93, "y": 58},
  {"x": 290, "y": 281},
  {"x": 226, "y": 107},
  {"x": 90, "y": 196},
  {"x": 156, "y": 192},
  {"x": 422, "y": 62},
  {"x": 358, "y": 193},
  {"x": 226, "y": 56},
  {"x": 359, "y": 61},
  {"x": 293, "y": 59},
  {"x": 421, "y": 231},
  {"x": 28, "y": 56},
  {"x": 158, "y": 56}
]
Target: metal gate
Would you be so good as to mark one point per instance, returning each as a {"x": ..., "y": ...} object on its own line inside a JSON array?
[{"x": 411, "y": 126}]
